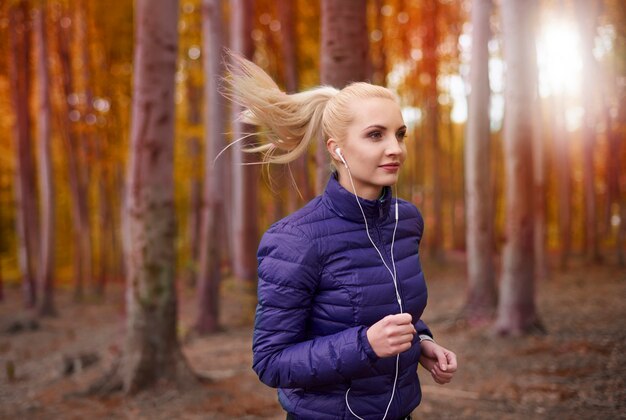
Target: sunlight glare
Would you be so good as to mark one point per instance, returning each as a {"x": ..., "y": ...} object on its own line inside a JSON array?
[{"x": 559, "y": 59}]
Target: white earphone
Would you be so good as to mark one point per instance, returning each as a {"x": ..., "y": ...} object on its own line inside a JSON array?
[{"x": 338, "y": 151}]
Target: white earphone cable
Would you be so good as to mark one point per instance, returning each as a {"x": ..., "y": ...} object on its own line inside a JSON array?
[{"x": 393, "y": 276}]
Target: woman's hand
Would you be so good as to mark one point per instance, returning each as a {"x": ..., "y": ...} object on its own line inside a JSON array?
[
  {"x": 391, "y": 335},
  {"x": 439, "y": 361}
]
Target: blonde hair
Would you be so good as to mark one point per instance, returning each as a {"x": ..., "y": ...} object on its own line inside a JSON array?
[{"x": 294, "y": 120}]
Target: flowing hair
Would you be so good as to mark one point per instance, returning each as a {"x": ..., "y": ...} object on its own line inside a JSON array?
[{"x": 292, "y": 121}]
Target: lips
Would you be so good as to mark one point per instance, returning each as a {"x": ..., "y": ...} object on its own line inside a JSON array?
[{"x": 391, "y": 166}]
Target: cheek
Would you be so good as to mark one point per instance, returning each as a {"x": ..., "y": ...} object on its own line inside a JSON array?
[{"x": 404, "y": 153}]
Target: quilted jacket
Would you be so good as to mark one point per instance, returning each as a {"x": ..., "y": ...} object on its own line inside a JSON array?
[{"x": 321, "y": 285}]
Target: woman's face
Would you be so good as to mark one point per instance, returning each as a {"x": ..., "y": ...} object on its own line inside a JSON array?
[{"x": 373, "y": 147}]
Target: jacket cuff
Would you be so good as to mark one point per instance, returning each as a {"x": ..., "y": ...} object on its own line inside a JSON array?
[
  {"x": 422, "y": 329},
  {"x": 366, "y": 346}
]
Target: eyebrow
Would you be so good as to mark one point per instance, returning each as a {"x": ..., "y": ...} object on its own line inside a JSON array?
[{"x": 381, "y": 127}]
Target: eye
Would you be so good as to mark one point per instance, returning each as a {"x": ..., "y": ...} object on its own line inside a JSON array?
[
  {"x": 376, "y": 135},
  {"x": 401, "y": 135}
]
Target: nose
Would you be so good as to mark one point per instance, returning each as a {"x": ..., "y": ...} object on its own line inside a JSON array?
[{"x": 394, "y": 147}]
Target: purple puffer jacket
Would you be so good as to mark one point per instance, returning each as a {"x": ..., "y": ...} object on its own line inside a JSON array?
[{"x": 321, "y": 285}]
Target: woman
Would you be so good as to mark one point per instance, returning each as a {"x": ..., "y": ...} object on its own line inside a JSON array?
[{"x": 341, "y": 290}]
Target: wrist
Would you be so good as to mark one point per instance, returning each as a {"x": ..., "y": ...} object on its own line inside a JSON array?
[
  {"x": 425, "y": 337},
  {"x": 367, "y": 344}
]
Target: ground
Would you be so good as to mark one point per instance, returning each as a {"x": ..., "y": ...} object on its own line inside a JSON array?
[{"x": 574, "y": 371}]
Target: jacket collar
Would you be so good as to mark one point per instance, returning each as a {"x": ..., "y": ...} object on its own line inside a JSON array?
[{"x": 342, "y": 202}]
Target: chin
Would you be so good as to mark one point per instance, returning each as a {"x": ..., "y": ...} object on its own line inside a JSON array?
[{"x": 389, "y": 181}]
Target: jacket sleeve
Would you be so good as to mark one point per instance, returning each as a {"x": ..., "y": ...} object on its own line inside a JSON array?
[
  {"x": 283, "y": 356},
  {"x": 422, "y": 328}
]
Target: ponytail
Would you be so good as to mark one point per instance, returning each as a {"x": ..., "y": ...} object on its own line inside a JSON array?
[{"x": 292, "y": 120}]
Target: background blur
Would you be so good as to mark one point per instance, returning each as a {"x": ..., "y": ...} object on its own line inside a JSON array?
[{"x": 66, "y": 98}]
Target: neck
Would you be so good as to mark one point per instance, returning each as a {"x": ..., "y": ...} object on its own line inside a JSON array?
[{"x": 368, "y": 193}]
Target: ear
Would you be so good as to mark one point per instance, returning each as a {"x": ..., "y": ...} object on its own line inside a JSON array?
[{"x": 331, "y": 145}]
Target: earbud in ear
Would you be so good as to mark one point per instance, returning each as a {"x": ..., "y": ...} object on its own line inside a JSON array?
[{"x": 338, "y": 151}]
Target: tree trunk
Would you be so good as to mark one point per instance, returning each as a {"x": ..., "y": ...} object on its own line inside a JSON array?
[
  {"x": 539, "y": 168},
  {"x": 621, "y": 183},
  {"x": 344, "y": 59},
  {"x": 299, "y": 169},
  {"x": 457, "y": 180},
  {"x": 25, "y": 190},
  {"x": 587, "y": 13},
  {"x": 2, "y": 206},
  {"x": 431, "y": 62},
  {"x": 481, "y": 297},
  {"x": 194, "y": 119},
  {"x": 564, "y": 180},
  {"x": 562, "y": 166},
  {"x": 46, "y": 268},
  {"x": 612, "y": 167},
  {"x": 379, "y": 58},
  {"x": 539, "y": 172},
  {"x": 89, "y": 142},
  {"x": 245, "y": 177},
  {"x": 105, "y": 222},
  {"x": 209, "y": 275},
  {"x": 152, "y": 350},
  {"x": 516, "y": 310},
  {"x": 73, "y": 149},
  {"x": 195, "y": 210}
]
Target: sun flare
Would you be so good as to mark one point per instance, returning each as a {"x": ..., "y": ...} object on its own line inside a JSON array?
[{"x": 559, "y": 59}]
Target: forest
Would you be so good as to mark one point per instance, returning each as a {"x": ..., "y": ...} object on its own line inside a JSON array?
[{"x": 131, "y": 213}]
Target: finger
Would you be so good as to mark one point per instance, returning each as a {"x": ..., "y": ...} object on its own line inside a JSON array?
[
  {"x": 436, "y": 378},
  {"x": 451, "y": 361},
  {"x": 400, "y": 348},
  {"x": 401, "y": 319},
  {"x": 405, "y": 329},
  {"x": 444, "y": 376},
  {"x": 441, "y": 358},
  {"x": 405, "y": 338},
  {"x": 395, "y": 331}
]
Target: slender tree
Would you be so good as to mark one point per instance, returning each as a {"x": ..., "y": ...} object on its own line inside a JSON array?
[
  {"x": 87, "y": 139},
  {"x": 431, "y": 64},
  {"x": 91, "y": 141},
  {"x": 245, "y": 177},
  {"x": 152, "y": 349},
  {"x": 45, "y": 303},
  {"x": 621, "y": 183},
  {"x": 194, "y": 148},
  {"x": 2, "y": 204},
  {"x": 587, "y": 13},
  {"x": 481, "y": 293},
  {"x": 299, "y": 169},
  {"x": 562, "y": 164},
  {"x": 379, "y": 67},
  {"x": 19, "y": 75},
  {"x": 563, "y": 176},
  {"x": 75, "y": 160},
  {"x": 209, "y": 277},
  {"x": 611, "y": 160},
  {"x": 539, "y": 178},
  {"x": 516, "y": 308},
  {"x": 344, "y": 58}
]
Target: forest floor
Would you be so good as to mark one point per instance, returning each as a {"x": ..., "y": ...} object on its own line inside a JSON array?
[{"x": 572, "y": 372}]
